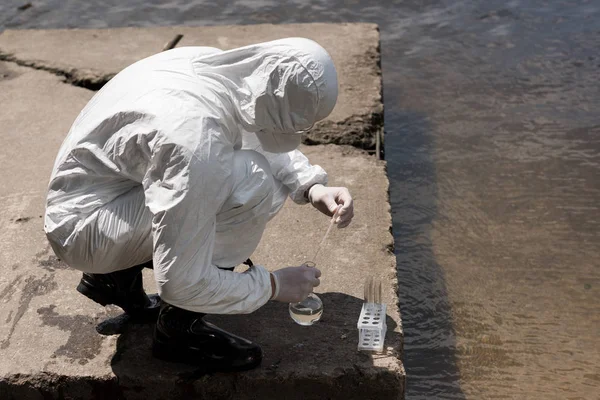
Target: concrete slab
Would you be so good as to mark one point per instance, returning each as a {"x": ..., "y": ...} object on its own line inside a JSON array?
[
  {"x": 90, "y": 57},
  {"x": 49, "y": 341}
]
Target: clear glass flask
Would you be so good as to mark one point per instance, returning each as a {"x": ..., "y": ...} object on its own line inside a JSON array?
[{"x": 309, "y": 310}]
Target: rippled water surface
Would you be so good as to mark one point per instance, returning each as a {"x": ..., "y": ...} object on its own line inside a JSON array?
[{"x": 493, "y": 141}]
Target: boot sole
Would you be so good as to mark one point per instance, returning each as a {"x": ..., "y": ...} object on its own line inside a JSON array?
[{"x": 165, "y": 352}]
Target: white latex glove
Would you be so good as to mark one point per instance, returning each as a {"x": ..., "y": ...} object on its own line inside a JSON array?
[
  {"x": 328, "y": 199},
  {"x": 294, "y": 284}
]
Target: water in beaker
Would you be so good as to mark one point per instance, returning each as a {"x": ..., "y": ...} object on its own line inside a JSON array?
[{"x": 308, "y": 311}]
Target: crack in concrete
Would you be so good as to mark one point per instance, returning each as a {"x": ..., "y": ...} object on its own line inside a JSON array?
[
  {"x": 360, "y": 131},
  {"x": 85, "y": 78}
]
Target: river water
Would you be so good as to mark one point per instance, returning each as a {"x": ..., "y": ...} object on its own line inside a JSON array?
[{"x": 493, "y": 144}]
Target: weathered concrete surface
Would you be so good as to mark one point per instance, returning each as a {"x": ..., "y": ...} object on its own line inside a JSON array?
[
  {"x": 49, "y": 345},
  {"x": 90, "y": 57}
]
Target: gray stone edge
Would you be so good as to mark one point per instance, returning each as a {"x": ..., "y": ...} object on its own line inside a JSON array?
[{"x": 348, "y": 384}]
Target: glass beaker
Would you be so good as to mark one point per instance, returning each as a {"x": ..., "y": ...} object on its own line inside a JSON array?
[{"x": 309, "y": 310}]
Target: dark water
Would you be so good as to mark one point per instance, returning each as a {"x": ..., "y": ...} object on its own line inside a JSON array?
[{"x": 493, "y": 144}]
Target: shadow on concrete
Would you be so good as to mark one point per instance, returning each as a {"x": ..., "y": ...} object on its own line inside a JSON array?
[
  {"x": 318, "y": 362},
  {"x": 429, "y": 339}
]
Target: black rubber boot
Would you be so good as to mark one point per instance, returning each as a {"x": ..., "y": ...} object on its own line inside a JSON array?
[
  {"x": 183, "y": 336},
  {"x": 124, "y": 289}
]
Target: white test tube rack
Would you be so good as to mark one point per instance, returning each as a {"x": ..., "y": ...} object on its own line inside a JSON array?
[{"x": 372, "y": 327}]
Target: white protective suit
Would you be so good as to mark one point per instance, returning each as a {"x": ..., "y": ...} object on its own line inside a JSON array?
[{"x": 166, "y": 162}]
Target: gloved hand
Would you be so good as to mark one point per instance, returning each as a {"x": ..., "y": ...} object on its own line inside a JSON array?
[
  {"x": 328, "y": 199},
  {"x": 294, "y": 284}
]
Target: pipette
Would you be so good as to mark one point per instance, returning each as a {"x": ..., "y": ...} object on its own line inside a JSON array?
[
  {"x": 309, "y": 310},
  {"x": 331, "y": 223}
]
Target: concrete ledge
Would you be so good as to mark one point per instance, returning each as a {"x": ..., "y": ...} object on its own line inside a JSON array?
[
  {"x": 90, "y": 57},
  {"x": 50, "y": 346}
]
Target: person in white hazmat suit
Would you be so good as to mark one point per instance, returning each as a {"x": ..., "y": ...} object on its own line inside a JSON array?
[{"x": 177, "y": 164}]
